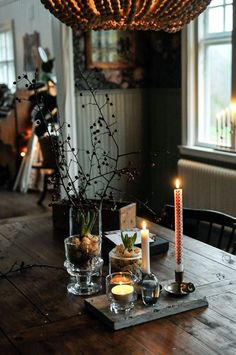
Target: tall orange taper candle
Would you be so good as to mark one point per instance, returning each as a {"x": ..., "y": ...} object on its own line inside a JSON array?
[{"x": 178, "y": 197}]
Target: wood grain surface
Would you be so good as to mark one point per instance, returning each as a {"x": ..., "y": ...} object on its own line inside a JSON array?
[{"x": 38, "y": 316}]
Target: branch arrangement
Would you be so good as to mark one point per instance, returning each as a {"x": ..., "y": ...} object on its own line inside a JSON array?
[{"x": 104, "y": 166}]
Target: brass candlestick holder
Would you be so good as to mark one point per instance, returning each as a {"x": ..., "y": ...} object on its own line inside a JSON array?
[{"x": 179, "y": 287}]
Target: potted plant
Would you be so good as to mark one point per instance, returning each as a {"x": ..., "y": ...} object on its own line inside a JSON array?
[
  {"x": 126, "y": 256},
  {"x": 83, "y": 257}
]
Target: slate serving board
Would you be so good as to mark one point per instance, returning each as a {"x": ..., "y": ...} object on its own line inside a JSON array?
[{"x": 166, "y": 306}]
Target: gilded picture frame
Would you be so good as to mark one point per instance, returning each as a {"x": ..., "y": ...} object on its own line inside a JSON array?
[{"x": 110, "y": 49}]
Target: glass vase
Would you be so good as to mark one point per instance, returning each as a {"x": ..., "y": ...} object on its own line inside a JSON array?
[
  {"x": 150, "y": 288},
  {"x": 83, "y": 259},
  {"x": 84, "y": 262}
]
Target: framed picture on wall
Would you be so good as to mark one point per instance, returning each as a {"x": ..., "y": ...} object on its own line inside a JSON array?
[
  {"x": 110, "y": 49},
  {"x": 31, "y": 54}
]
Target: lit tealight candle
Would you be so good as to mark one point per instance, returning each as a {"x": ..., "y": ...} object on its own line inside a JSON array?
[
  {"x": 145, "y": 249},
  {"x": 120, "y": 280},
  {"x": 123, "y": 293},
  {"x": 178, "y": 199}
]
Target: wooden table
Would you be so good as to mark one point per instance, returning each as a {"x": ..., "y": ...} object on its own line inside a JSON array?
[{"x": 38, "y": 316}]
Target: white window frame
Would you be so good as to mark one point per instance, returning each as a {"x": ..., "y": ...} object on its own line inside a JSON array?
[
  {"x": 4, "y": 27},
  {"x": 190, "y": 145}
]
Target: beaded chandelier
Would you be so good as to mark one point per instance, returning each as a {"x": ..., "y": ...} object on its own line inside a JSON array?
[{"x": 167, "y": 15}]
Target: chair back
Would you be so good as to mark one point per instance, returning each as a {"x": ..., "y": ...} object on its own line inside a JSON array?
[
  {"x": 212, "y": 227},
  {"x": 48, "y": 155}
]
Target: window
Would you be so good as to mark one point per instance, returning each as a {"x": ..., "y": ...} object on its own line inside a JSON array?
[
  {"x": 7, "y": 65},
  {"x": 208, "y": 76}
]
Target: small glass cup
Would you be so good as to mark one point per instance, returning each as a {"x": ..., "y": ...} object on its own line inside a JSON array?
[
  {"x": 83, "y": 262},
  {"x": 120, "y": 289},
  {"x": 150, "y": 289}
]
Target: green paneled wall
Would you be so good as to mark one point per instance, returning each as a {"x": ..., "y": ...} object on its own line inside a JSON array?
[{"x": 163, "y": 124}]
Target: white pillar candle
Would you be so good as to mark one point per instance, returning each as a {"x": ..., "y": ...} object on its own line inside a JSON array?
[
  {"x": 228, "y": 127},
  {"x": 225, "y": 128},
  {"x": 145, "y": 249},
  {"x": 222, "y": 128},
  {"x": 233, "y": 119},
  {"x": 178, "y": 199},
  {"x": 218, "y": 129}
]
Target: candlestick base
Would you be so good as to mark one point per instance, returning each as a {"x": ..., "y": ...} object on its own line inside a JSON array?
[
  {"x": 179, "y": 288},
  {"x": 179, "y": 276}
]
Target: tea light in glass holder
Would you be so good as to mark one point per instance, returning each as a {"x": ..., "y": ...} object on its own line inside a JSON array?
[
  {"x": 123, "y": 293},
  {"x": 120, "y": 289}
]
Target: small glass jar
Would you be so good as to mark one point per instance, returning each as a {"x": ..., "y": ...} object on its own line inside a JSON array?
[
  {"x": 150, "y": 289},
  {"x": 126, "y": 263},
  {"x": 120, "y": 290}
]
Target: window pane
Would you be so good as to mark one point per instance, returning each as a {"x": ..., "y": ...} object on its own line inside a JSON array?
[
  {"x": 11, "y": 75},
  {"x": 2, "y": 47},
  {"x": 214, "y": 89},
  {"x": 229, "y": 18},
  {"x": 9, "y": 46},
  {"x": 228, "y": 1},
  {"x": 216, "y": 3},
  {"x": 7, "y": 68},
  {"x": 3, "y": 73},
  {"x": 216, "y": 20}
]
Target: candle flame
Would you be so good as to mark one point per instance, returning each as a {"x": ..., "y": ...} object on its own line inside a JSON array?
[
  {"x": 144, "y": 225},
  {"x": 227, "y": 110},
  {"x": 233, "y": 106},
  {"x": 177, "y": 183}
]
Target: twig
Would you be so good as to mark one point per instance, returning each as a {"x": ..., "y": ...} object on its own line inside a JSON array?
[{"x": 22, "y": 267}]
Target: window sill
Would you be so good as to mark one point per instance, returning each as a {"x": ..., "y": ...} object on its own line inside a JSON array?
[{"x": 208, "y": 153}]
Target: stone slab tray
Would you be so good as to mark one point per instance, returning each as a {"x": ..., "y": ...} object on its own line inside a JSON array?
[{"x": 167, "y": 305}]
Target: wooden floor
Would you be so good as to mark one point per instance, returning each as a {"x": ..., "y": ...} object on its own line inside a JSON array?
[{"x": 16, "y": 204}]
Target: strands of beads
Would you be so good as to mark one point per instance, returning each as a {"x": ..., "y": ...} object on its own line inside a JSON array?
[{"x": 167, "y": 15}]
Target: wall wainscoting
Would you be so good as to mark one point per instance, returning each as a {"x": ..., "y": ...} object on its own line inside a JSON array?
[{"x": 127, "y": 106}]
